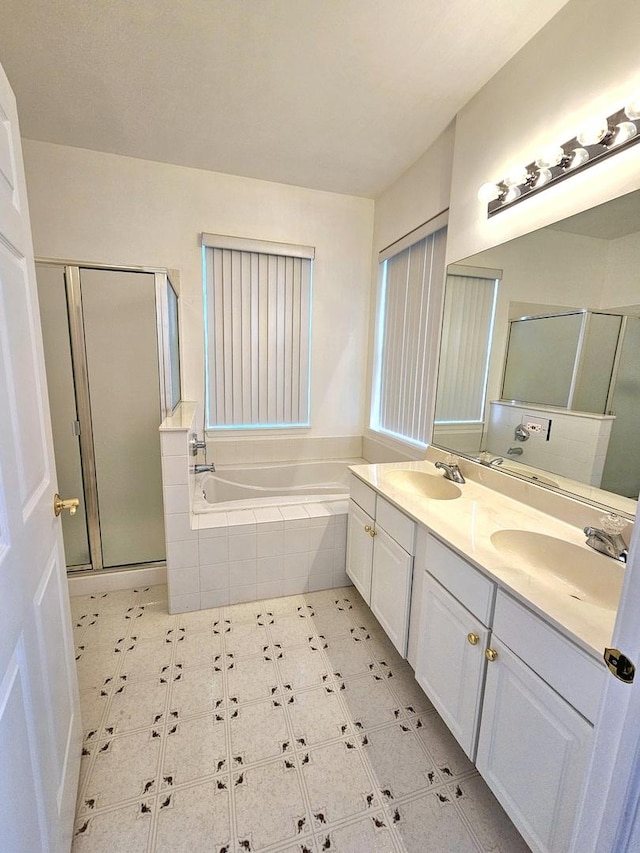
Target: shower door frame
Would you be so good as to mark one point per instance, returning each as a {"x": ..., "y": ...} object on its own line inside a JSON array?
[{"x": 71, "y": 270}]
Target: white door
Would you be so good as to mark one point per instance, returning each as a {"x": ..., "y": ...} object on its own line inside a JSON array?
[
  {"x": 360, "y": 549},
  {"x": 40, "y": 729},
  {"x": 391, "y": 588},
  {"x": 450, "y": 662},
  {"x": 533, "y": 752}
]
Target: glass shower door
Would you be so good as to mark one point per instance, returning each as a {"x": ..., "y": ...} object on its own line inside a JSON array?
[{"x": 119, "y": 314}]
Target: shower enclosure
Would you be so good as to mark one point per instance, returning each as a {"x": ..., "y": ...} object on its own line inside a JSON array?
[{"x": 113, "y": 372}]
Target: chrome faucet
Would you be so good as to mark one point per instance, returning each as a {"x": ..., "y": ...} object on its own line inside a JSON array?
[
  {"x": 451, "y": 471},
  {"x": 209, "y": 468},
  {"x": 195, "y": 445},
  {"x": 609, "y": 542},
  {"x": 515, "y": 451}
]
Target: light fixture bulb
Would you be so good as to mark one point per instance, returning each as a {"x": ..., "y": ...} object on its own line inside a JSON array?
[
  {"x": 632, "y": 110},
  {"x": 593, "y": 132},
  {"x": 515, "y": 176},
  {"x": 544, "y": 176},
  {"x": 513, "y": 192},
  {"x": 625, "y": 131},
  {"x": 579, "y": 157},
  {"x": 550, "y": 157},
  {"x": 488, "y": 192}
]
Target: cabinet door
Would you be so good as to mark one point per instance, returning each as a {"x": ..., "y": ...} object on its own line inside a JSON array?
[
  {"x": 533, "y": 752},
  {"x": 450, "y": 662},
  {"x": 360, "y": 550},
  {"x": 391, "y": 588}
]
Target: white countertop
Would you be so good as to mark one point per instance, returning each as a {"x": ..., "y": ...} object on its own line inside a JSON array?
[{"x": 466, "y": 524}]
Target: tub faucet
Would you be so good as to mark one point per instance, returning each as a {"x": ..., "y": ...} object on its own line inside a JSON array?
[
  {"x": 515, "y": 451},
  {"x": 608, "y": 539},
  {"x": 209, "y": 468},
  {"x": 451, "y": 471}
]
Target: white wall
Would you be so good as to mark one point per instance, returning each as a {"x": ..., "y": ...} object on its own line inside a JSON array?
[
  {"x": 417, "y": 196},
  {"x": 622, "y": 277},
  {"x": 102, "y": 208},
  {"x": 583, "y": 63}
]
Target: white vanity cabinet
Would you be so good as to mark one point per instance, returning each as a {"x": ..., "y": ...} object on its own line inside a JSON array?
[
  {"x": 380, "y": 548},
  {"x": 452, "y": 640},
  {"x": 519, "y": 697},
  {"x": 535, "y": 740}
]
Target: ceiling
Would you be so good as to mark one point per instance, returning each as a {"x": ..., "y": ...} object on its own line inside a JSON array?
[{"x": 337, "y": 95}]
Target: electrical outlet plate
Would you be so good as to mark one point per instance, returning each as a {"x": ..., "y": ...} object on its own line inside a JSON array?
[{"x": 537, "y": 427}]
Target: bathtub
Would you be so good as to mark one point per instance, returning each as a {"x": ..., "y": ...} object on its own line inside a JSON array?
[{"x": 277, "y": 484}]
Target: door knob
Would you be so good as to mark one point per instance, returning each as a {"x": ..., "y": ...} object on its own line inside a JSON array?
[{"x": 59, "y": 504}]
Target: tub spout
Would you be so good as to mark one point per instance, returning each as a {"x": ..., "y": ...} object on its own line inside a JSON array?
[{"x": 209, "y": 468}]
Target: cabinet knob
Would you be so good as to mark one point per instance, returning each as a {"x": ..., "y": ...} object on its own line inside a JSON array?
[
  {"x": 367, "y": 528},
  {"x": 490, "y": 654},
  {"x": 372, "y": 532},
  {"x": 474, "y": 639}
]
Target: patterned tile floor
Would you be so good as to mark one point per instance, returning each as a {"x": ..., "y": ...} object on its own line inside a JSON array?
[{"x": 282, "y": 725}]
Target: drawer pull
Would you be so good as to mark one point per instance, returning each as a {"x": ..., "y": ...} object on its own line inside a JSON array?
[
  {"x": 474, "y": 639},
  {"x": 490, "y": 654}
]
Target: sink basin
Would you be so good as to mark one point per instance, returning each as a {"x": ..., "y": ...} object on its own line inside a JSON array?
[
  {"x": 432, "y": 486},
  {"x": 578, "y": 572}
]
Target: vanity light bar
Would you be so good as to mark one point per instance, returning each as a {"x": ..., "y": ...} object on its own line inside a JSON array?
[{"x": 599, "y": 139}]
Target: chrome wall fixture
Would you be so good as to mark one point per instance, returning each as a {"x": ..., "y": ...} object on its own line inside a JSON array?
[{"x": 598, "y": 139}]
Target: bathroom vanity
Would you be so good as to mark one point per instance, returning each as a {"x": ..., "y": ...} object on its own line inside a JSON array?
[{"x": 503, "y": 612}]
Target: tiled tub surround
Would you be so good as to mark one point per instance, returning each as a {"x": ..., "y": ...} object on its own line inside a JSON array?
[
  {"x": 281, "y": 725},
  {"x": 223, "y": 557}
]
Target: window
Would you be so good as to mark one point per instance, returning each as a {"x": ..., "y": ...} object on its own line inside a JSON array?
[
  {"x": 467, "y": 327},
  {"x": 257, "y": 333},
  {"x": 411, "y": 272}
]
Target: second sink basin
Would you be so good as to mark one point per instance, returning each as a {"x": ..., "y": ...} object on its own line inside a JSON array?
[
  {"x": 583, "y": 574},
  {"x": 431, "y": 486}
]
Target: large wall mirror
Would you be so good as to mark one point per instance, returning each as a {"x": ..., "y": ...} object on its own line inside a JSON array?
[{"x": 540, "y": 356}]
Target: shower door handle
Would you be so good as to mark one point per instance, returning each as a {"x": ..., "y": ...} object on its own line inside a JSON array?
[{"x": 59, "y": 504}]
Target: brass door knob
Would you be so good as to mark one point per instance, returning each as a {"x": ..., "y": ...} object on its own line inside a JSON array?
[
  {"x": 491, "y": 654},
  {"x": 59, "y": 504},
  {"x": 474, "y": 639}
]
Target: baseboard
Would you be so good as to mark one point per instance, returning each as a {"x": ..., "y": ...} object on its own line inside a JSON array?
[{"x": 106, "y": 581}]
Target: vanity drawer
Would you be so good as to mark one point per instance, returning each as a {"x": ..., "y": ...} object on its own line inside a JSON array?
[
  {"x": 574, "y": 674},
  {"x": 464, "y": 582},
  {"x": 364, "y": 496},
  {"x": 397, "y": 525}
]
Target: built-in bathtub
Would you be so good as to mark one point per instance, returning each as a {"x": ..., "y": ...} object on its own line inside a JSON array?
[
  {"x": 254, "y": 486},
  {"x": 269, "y": 530}
]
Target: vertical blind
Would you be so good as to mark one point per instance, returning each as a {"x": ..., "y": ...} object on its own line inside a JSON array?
[
  {"x": 258, "y": 314},
  {"x": 467, "y": 326},
  {"x": 399, "y": 399}
]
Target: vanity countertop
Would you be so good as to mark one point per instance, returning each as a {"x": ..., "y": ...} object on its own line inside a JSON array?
[{"x": 467, "y": 523}]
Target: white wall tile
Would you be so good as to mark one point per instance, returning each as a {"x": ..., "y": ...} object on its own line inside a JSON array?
[
  {"x": 215, "y": 576},
  {"x": 269, "y": 589},
  {"x": 268, "y": 514},
  {"x": 181, "y": 555},
  {"x": 176, "y": 499},
  {"x": 323, "y": 581},
  {"x": 242, "y": 547},
  {"x": 242, "y": 572},
  {"x": 240, "y": 518},
  {"x": 291, "y": 512},
  {"x": 341, "y": 579},
  {"x": 295, "y": 586},
  {"x": 184, "y": 603},
  {"x": 239, "y": 594},
  {"x": 177, "y": 527},
  {"x": 321, "y": 538},
  {"x": 269, "y": 544},
  {"x": 269, "y": 568},
  {"x": 214, "y": 550},
  {"x": 183, "y": 581},
  {"x": 214, "y": 598},
  {"x": 174, "y": 442},
  {"x": 296, "y": 541},
  {"x": 295, "y": 565},
  {"x": 213, "y": 524},
  {"x": 322, "y": 562},
  {"x": 175, "y": 470}
]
